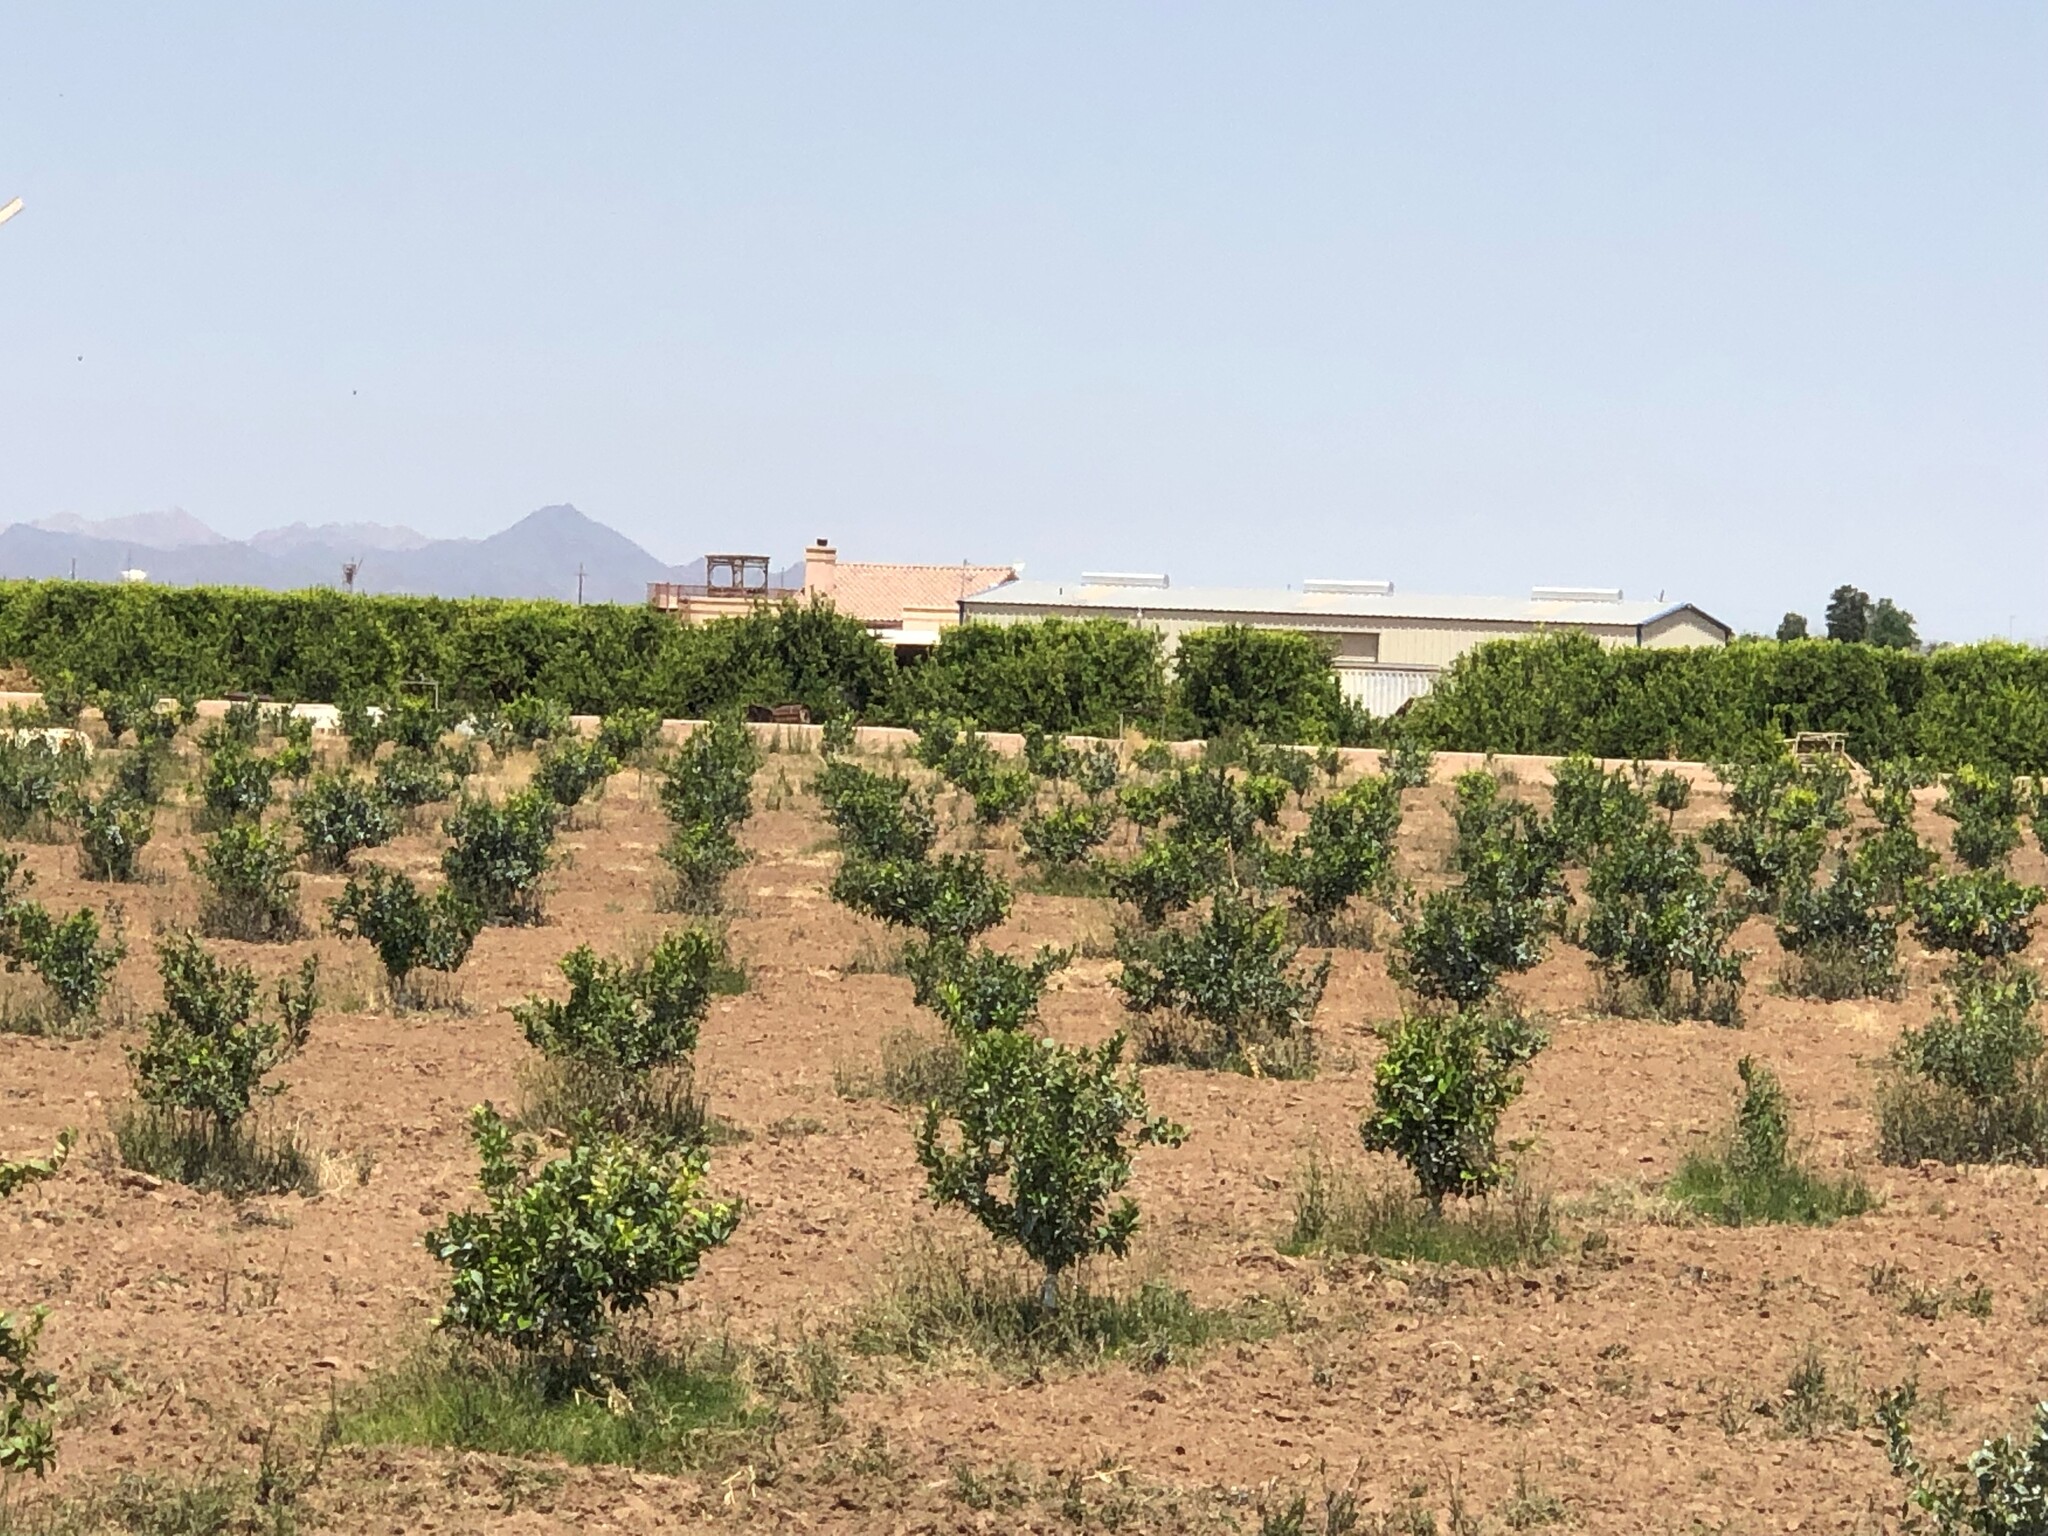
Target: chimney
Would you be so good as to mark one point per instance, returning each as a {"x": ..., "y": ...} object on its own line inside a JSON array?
[{"x": 821, "y": 570}]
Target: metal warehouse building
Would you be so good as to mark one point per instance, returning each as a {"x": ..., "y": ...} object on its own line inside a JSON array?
[{"x": 1387, "y": 646}]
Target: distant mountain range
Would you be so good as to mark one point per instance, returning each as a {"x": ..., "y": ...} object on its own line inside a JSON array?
[{"x": 537, "y": 556}]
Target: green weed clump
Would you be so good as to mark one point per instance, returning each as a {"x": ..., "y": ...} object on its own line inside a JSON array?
[
  {"x": 939, "y": 1306},
  {"x": 641, "y": 1407},
  {"x": 1749, "y": 1175},
  {"x": 1340, "y": 1212}
]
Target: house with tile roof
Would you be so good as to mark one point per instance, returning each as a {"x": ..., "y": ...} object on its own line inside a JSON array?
[{"x": 905, "y": 605}]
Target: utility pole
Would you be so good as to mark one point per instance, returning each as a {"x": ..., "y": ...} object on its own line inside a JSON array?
[
  {"x": 579, "y": 583},
  {"x": 348, "y": 573}
]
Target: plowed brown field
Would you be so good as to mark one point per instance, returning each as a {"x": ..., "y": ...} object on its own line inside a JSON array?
[{"x": 1619, "y": 1388}]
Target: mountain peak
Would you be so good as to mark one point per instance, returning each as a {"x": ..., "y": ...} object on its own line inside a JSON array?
[{"x": 174, "y": 528}]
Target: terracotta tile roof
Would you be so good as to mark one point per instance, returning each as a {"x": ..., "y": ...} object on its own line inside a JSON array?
[{"x": 878, "y": 593}]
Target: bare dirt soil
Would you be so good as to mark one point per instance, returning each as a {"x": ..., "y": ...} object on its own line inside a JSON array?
[{"x": 1634, "y": 1383}]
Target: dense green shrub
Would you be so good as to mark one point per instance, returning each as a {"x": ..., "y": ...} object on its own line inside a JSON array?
[
  {"x": 33, "y": 777},
  {"x": 1749, "y": 1174},
  {"x": 251, "y": 891},
  {"x": 1043, "y": 1145},
  {"x": 416, "y": 722},
  {"x": 1592, "y": 807},
  {"x": 125, "y": 710},
  {"x": 1985, "y": 806},
  {"x": 1660, "y": 926},
  {"x": 571, "y": 768},
  {"x": 1980, "y": 912},
  {"x": 362, "y": 726},
  {"x": 1781, "y": 812},
  {"x": 409, "y": 931},
  {"x": 64, "y": 698},
  {"x": 974, "y": 988},
  {"x": 700, "y": 855},
  {"x": 877, "y": 816},
  {"x": 1227, "y": 991},
  {"x": 533, "y": 718},
  {"x": 632, "y": 1015},
  {"x": 1346, "y": 851},
  {"x": 1439, "y": 1090},
  {"x": 1971, "y": 1086},
  {"x": 2003, "y": 1488},
  {"x": 952, "y": 896},
  {"x": 144, "y": 774},
  {"x": 235, "y": 783},
  {"x": 709, "y": 779},
  {"x": 208, "y": 1050},
  {"x": 1842, "y": 940},
  {"x": 1059, "y": 839},
  {"x": 568, "y": 1244},
  {"x": 498, "y": 852},
  {"x": 66, "y": 954},
  {"x": 112, "y": 832},
  {"x": 1206, "y": 835},
  {"x": 339, "y": 813},
  {"x": 408, "y": 780},
  {"x": 1090, "y": 677},
  {"x": 1460, "y": 942},
  {"x": 28, "y": 1397},
  {"x": 1986, "y": 1038},
  {"x": 626, "y": 733},
  {"x": 1274, "y": 684},
  {"x": 1049, "y": 757},
  {"x": 1407, "y": 761}
]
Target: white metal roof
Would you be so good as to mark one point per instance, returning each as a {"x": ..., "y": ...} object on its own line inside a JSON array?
[{"x": 1285, "y": 602}]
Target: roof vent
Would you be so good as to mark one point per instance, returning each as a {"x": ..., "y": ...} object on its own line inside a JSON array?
[
  {"x": 1351, "y": 588},
  {"x": 1124, "y": 578},
  {"x": 1575, "y": 594}
]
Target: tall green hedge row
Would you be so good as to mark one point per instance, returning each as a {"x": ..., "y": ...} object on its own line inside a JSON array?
[{"x": 1984, "y": 704}]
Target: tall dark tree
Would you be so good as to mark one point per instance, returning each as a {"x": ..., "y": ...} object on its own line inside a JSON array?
[
  {"x": 1892, "y": 627},
  {"x": 1848, "y": 614},
  {"x": 1792, "y": 627}
]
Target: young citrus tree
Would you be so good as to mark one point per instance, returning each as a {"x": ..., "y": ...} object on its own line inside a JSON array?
[
  {"x": 112, "y": 832},
  {"x": 1982, "y": 912},
  {"x": 1439, "y": 1091},
  {"x": 633, "y": 1015},
  {"x": 568, "y": 1244},
  {"x": 1041, "y": 1145},
  {"x": 974, "y": 988},
  {"x": 252, "y": 891},
  {"x": 409, "y": 931},
  {"x": 1229, "y": 988},
  {"x": 498, "y": 851},
  {"x": 1985, "y": 807},
  {"x": 338, "y": 814},
  {"x": 951, "y": 896},
  {"x": 1346, "y": 851},
  {"x": 28, "y": 1431},
  {"x": 1661, "y": 925}
]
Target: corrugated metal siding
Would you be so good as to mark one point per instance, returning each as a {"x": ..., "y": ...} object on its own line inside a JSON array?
[{"x": 1382, "y": 690}]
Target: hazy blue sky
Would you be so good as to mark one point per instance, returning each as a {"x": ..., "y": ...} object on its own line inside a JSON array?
[{"x": 1735, "y": 301}]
